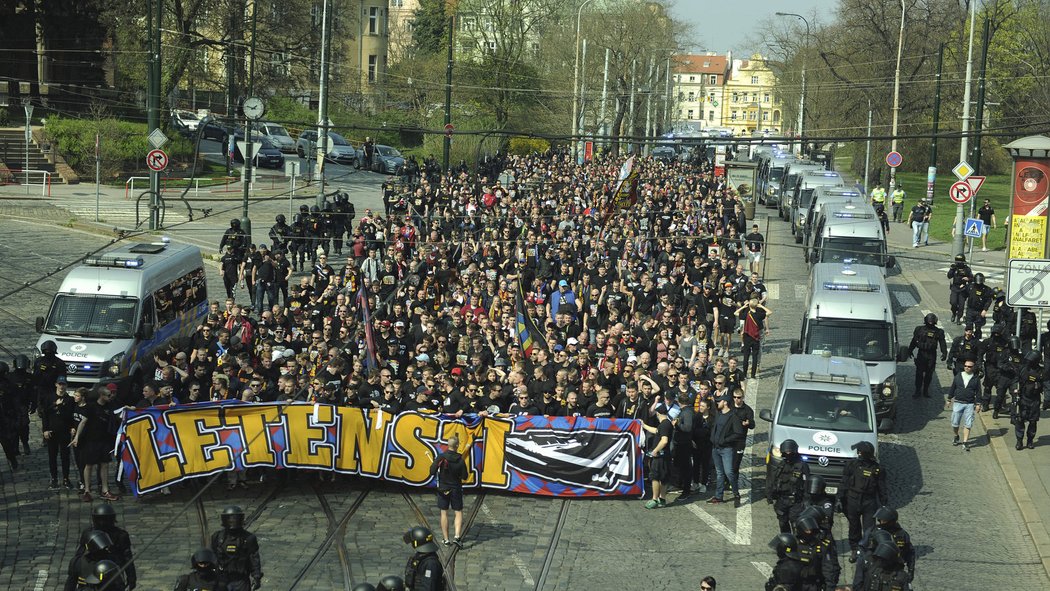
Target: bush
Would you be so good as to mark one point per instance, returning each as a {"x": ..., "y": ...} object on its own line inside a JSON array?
[
  {"x": 523, "y": 146},
  {"x": 123, "y": 145}
]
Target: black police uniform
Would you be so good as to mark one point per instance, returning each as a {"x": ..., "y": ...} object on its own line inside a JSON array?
[
  {"x": 978, "y": 300},
  {"x": 786, "y": 490},
  {"x": 1029, "y": 398},
  {"x": 297, "y": 242},
  {"x": 991, "y": 349},
  {"x": 238, "y": 553},
  {"x": 963, "y": 348},
  {"x": 862, "y": 492},
  {"x": 280, "y": 235},
  {"x": 24, "y": 392},
  {"x": 315, "y": 232},
  {"x": 1009, "y": 365},
  {"x": 9, "y": 413},
  {"x": 230, "y": 265},
  {"x": 234, "y": 239},
  {"x": 205, "y": 575},
  {"x": 926, "y": 339},
  {"x": 905, "y": 549},
  {"x": 820, "y": 562},
  {"x": 96, "y": 549},
  {"x": 46, "y": 370},
  {"x": 960, "y": 276},
  {"x": 884, "y": 575},
  {"x": 120, "y": 550},
  {"x": 817, "y": 498}
]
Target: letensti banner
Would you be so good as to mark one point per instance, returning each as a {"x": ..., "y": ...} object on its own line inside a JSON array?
[{"x": 537, "y": 455}]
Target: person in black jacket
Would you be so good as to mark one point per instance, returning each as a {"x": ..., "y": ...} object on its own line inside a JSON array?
[
  {"x": 104, "y": 519},
  {"x": 787, "y": 485},
  {"x": 746, "y": 415},
  {"x": 1029, "y": 396},
  {"x": 56, "y": 421},
  {"x": 451, "y": 471},
  {"x": 726, "y": 432},
  {"x": 238, "y": 551},
  {"x": 926, "y": 338},
  {"x": 863, "y": 490},
  {"x": 205, "y": 575},
  {"x": 682, "y": 450}
]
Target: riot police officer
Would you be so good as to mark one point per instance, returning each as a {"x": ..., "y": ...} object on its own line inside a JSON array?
[
  {"x": 992, "y": 349},
  {"x": 424, "y": 571},
  {"x": 787, "y": 485},
  {"x": 1029, "y": 398},
  {"x": 46, "y": 369},
  {"x": 8, "y": 419},
  {"x": 787, "y": 572},
  {"x": 959, "y": 275},
  {"x": 979, "y": 298},
  {"x": 230, "y": 269},
  {"x": 280, "y": 234},
  {"x": 964, "y": 347},
  {"x": 297, "y": 242},
  {"x": 886, "y": 520},
  {"x": 234, "y": 239},
  {"x": 1009, "y": 369},
  {"x": 328, "y": 217},
  {"x": 238, "y": 552},
  {"x": 885, "y": 571},
  {"x": 104, "y": 519},
  {"x": 872, "y": 538},
  {"x": 1044, "y": 349},
  {"x": 1029, "y": 328},
  {"x": 820, "y": 561},
  {"x": 391, "y": 583},
  {"x": 205, "y": 575},
  {"x": 104, "y": 575},
  {"x": 23, "y": 390},
  {"x": 926, "y": 339},
  {"x": 315, "y": 232},
  {"x": 818, "y": 499},
  {"x": 863, "y": 490},
  {"x": 97, "y": 547}
]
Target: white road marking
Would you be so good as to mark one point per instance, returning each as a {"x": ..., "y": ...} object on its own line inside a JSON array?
[
  {"x": 742, "y": 535},
  {"x": 800, "y": 292},
  {"x": 526, "y": 576},
  {"x": 774, "y": 291},
  {"x": 763, "y": 568},
  {"x": 41, "y": 580}
]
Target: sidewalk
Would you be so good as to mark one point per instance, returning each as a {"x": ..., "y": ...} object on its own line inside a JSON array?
[{"x": 1027, "y": 472}]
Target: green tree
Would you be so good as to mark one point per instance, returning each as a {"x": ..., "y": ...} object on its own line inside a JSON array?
[{"x": 430, "y": 27}]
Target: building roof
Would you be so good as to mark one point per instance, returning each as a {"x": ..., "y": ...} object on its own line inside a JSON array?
[{"x": 701, "y": 64}]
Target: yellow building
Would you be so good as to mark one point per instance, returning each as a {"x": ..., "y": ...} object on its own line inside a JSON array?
[{"x": 751, "y": 101}]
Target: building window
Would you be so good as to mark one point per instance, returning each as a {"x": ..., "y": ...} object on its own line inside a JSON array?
[
  {"x": 754, "y": 80},
  {"x": 679, "y": 113},
  {"x": 397, "y": 3},
  {"x": 468, "y": 23},
  {"x": 736, "y": 98},
  {"x": 733, "y": 116},
  {"x": 776, "y": 116},
  {"x": 681, "y": 96},
  {"x": 373, "y": 20},
  {"x": 692, "y": 97},
  {"x": 765, "y": 98},
  {"x": 373, "y": 64},
  {"x": 692, "y": 78},
  {"x": 690, "y": 115},
  {"x": 712, "y": 79},
  {"x": 490, "y": 46},
  {"x": 765, "y": 116},
  {"x": 710, "y": 115}
]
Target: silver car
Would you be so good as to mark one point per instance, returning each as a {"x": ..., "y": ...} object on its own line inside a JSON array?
[
  {"x": 339, "y": 150},
  {"x": 386, "y": 160},
  {"x": 277, "y": 135}
]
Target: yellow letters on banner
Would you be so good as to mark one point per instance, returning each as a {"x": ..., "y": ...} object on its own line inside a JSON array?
[
  {"x": 494, "y": 472},
  {"x": 254, "y": 422},
  {"x": 410, "y": 431},
  {"x": 197, "y": 431},
  {"x": 306, "y": 439},
  {"x": 153, "y": 470},
  {"x": 360, "y": 445}
]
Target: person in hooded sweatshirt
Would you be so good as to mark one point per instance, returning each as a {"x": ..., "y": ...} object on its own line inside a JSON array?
[{"x": 451, "y": 471}]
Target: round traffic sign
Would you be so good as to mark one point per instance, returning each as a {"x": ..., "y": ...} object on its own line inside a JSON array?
[
  {"x": 157, "y": 160},
  {"x": 449, "y": 127},
  {"x": 894, "y": 159},
  {"x": 960, "y": 192}
]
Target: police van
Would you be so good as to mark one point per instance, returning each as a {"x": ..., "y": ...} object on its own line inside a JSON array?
[
  {"x": 821, "y": 196},
  {"x": 114, "y": 309},
  {"x": 789, "y": 184},
  {"x": 849, "y": 233},
  {"x": 849, "y": 313},
  {"x": 824, "y": 404},
  {"x": 770, "y": 176},
  {"x": 802, "y": 197}
]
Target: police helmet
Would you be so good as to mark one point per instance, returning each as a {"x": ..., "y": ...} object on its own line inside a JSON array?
[
  {"x": 807, "y": 524},
  {"x": 811, "y": 511},
  {"x": 328, "y": 207},
  {"x": 785, "y": 544},
  {"x": 103, "y": 515},
  {"x": 930, "y": 319},
  {"x": 886, "y": 514},
  {"x": 204, "y": 559},
  {"x": 104, "y": 571},
  {"x": 886, "y": 551},
  {"x": 816, "y": 485},
  {"x": 49, "y": 348},
  {"x": 235, "y": 224},
  {"x": 232, "y": 517},
  {"x": 280, "y": 219},
  {"x": 998, "y": 329},
  {"x": 364, "y": 587},
  {"x": 391, "y": 583},
  {"x": 97, "y": 541},
  {"x": 4, "y": 368},
  {"x": 21, "y": 362},
  {"x": 788, "y": 447},
  {"x": 421, "y": 539},
  {"x": 298, "y": 219},
  {"x": 314, "y": 209},
  {"x": 1015, "y": 343},
  {"x": 978, "y": 278},
  {"x": 1031, "y": 357},
  {"x": 865, "y": 449},
  {"x": 304, "y": 209},
  {"x": 959, "y": 258}
]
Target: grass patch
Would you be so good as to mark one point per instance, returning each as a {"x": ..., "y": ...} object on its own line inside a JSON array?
[{"x": 995, "y": 188}]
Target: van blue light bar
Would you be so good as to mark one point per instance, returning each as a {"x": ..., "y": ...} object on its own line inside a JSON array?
[{"x": 114, "y": 261}]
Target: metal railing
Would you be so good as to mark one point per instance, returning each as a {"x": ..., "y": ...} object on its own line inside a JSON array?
[
  {"x": 22, "y": 178},
  {"x": 129, "y": 185}
]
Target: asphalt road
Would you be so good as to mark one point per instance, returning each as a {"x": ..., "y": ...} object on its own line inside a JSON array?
[{"x": 955, "y": 504}]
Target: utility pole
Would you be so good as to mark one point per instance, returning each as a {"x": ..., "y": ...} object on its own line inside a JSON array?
[
  {"x": 667, "y": 97},
  {"x": 648, "y": 105},
  {"x": 957, "y": 243},
  {"x": 153, "y": 111},
  {"x": 867, "y": 153},
  {"x": 246, "y": 223},
  {"x": 322, "y": 104},
  {"x": 630, "y": 129},
  {"x": 576, "y": 85},
  {"x": 978, "y": 122},
  {"x": 230, "y": 93},
  {"x": 447, "y": 152},
  {"x": 897, "y": 99},
  {"x": 580, "y": 126},
  {"x": 605, "y": 95},
  {"x": 931, "y": 175}
]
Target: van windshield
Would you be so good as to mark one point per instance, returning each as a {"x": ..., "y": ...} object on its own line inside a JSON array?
[
  {"x": 861, "y": 251},
  {"x": 276, "y": 130},
  {"x": 805, "y": 198},
  {"x": 776, "y": 173},
  {"x": 831, "y": 411},
  {"x": 92, "y": 316},
  {"x": 867, "y": 340}
]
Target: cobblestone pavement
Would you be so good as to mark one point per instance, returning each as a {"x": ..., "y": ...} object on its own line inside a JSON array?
[{"x": 956, "y": 505}]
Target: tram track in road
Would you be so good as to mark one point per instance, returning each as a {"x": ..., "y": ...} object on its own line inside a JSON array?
[
  {"x": 336, "y": 528},
  {"x": 448, "y": 561},
  {"x": 339, "y": 529},
  {"x": 548, "y": 559}
]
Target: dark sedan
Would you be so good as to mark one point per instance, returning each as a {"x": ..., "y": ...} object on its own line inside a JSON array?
[{"x": 268, "y": 157}]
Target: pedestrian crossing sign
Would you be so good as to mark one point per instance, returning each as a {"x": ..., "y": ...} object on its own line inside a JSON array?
[{"x": 974, "y": 228}]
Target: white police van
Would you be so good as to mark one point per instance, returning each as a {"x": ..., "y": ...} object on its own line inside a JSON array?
[
  {"x": 824, "y": 404},
  {"x": 114, "y": 309}
]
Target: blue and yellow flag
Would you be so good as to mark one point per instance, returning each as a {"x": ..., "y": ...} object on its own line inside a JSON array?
[{"x": 528, "y": 333}]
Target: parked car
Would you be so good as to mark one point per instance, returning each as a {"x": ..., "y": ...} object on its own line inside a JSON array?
[
  {"x": 664, "y": 154},
  {"x": 277, "y": 135},
  {"x": 267, "y": 157},
  {"x": 213, "y": 130},
  {"x": 185, "y": 122},
  {"x": 387, "y": 160},
  {"x": 339, "y": 150}
]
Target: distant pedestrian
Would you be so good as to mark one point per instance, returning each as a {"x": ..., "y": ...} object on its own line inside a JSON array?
[
  {"x": 986, "y": 215},
  {"x": 754, "y": 242},
  {"x": 964, "y": 398},
  {"x": 897, "y": 202},
  {"x": 451, "y": 471},
  {"x": 915, "y": 220},
  {"x": 755, "y": 323}
]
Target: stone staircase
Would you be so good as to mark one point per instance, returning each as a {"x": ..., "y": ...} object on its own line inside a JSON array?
[{"x": 13, "y": 156}]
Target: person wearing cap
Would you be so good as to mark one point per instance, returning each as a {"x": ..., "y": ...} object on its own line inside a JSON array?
[
  {"x": 659, "y": 454},
  {"x": 56, "y": 422},
  {"x": 563, "y": 299}
]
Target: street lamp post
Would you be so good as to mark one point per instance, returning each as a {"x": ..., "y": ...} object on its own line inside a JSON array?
[
  {"x": 802, "y": 95},
  {"x": 576, "y": 84},
  {"x": 897, "y": 97},
  {"x": 957, "y": 241},
  {"x": 28, "y": 106}
]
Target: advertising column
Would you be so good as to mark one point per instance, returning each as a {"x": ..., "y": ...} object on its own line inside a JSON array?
[{"x": 1031, "y": 188}]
